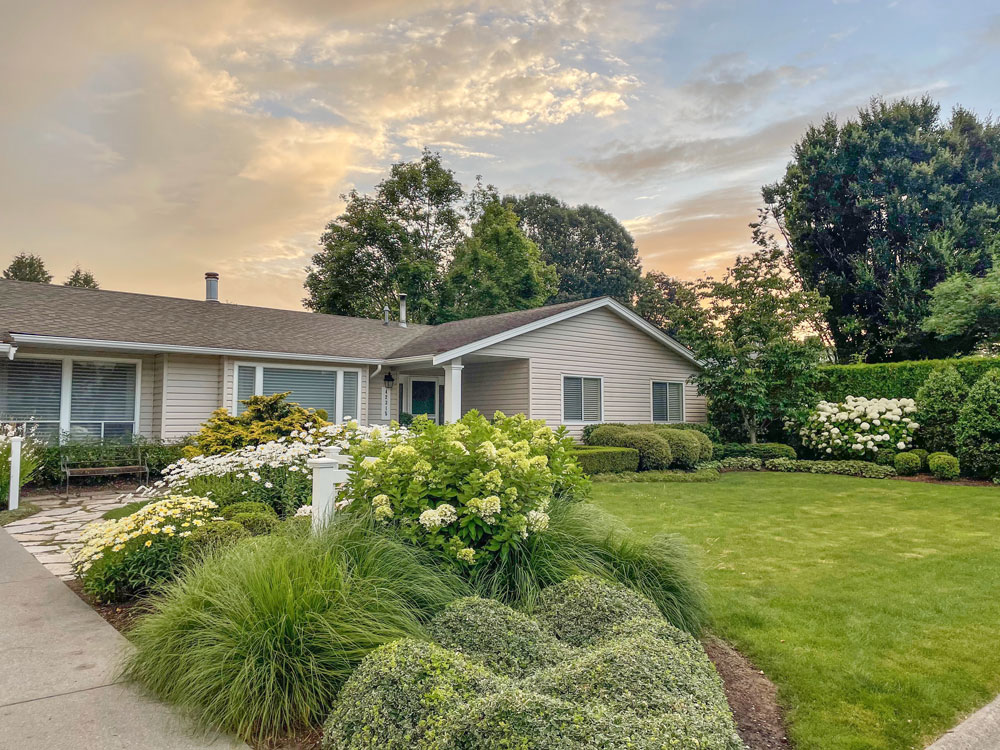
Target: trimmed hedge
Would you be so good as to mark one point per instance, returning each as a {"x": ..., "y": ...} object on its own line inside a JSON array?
[
  {"x": 763, "y": 451},
  {"x": 923, "y": 457},
  {"x": 977, "y": 433},
  {"x": 740, "y": 463},
  {"x": 895, "y": 379},
  {"x": 654, "y": 451},
  {"x": 943, "y": 465},
  {"x": 685, "y": 448},
  {"x": 246, "y": 506},
  {"x": 940, "y": 400},
  {"x": 847, "y": 468},
  {"x": 907, "y": 464},
  {"x": 606, "y": 460},
  {"x": 708, "y": 473},
  {"x": 258, "y": 524},
  {"x": 703, "y": 427}
]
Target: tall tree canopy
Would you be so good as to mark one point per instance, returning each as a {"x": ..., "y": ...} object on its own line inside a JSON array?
[
  {"x": 671, "y": 305},
  {"x": 27, "y": 267},
  {"x": 593, "y": 253},
  {"x": 496, "y": 269},
  {"x": 395, "y": 241},
  {"x": 82, "y": 279},
  {"x": 879, "y": 210}
]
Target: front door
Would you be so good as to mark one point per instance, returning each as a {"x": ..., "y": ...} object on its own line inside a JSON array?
[{"x": 423, "y": 398}]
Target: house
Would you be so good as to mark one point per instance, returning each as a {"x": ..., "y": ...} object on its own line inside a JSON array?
[{"x": 107, "y": 364}]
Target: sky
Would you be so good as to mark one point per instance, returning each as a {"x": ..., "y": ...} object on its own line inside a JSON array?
[{"x": 152, "y": 141}]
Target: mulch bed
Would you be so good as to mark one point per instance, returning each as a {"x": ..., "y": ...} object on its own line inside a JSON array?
[
  {"x": 752, "y": 698},
  {"x": 931, "y": 479},
  {"x": 120, "y": 616}
]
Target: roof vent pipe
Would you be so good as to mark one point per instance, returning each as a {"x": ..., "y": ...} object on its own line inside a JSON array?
[
  {"x": 211, "y": 287},
  {"x": 402, "y": 310},
  {"x": 385, "y": 315}
]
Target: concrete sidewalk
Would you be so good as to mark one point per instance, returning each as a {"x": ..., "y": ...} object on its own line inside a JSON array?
[
  {"x": 981, "y": 731},
  {"x": 57, "y": 662}
]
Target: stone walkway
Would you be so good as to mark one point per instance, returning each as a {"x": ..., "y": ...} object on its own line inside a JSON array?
[{"x": 53, "y": 533}]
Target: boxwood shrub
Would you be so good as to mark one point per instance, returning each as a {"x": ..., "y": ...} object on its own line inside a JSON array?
[
  {"x": 211, "y": 537},
  {"x": 685, "y": 448},
  {"x": 943, "y": 465},
  {"x": 763, "y": 451},
  {"x": 246, "y": 506},
  {"x": 907, "y": 464},
  {"x": 654, "y": 450},
  {"x": 703, "y": 427},
  {"x": 922, "y": 454},
  {"x": 607, "y": 460},
  {"x": 848, "y": 468},
  {"x": 257, "y": 524}
]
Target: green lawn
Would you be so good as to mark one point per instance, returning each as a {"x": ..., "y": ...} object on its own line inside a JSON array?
[{"x": 873, "y": 604}]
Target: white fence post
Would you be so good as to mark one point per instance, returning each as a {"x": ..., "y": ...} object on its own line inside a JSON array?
[
  {"x": 15, "y": 473},
  {"x": 326, "y": 475}
]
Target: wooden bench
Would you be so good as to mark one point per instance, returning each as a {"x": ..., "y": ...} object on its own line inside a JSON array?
[{"x": 127, "y": 459}]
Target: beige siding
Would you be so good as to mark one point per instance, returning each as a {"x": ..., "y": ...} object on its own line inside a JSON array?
[
  {"x": 193, "y": 390},
  {"x": 599, "y": 343},
  {"x": 500, "y": 385},
  {"x": 374, "y": 401},
  {"x": 156, "y": 429}
]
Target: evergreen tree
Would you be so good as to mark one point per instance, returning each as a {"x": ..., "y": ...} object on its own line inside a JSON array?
[
  {"x": 82, "y": 279},
  {"x": 27, "y": 267}
]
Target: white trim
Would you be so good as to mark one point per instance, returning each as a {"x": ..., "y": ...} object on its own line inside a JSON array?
[
  {"x": 163, "y": 397},
  {"x": 616, "y": 307},
  {"x": 681, "y": 383},
  {"x": 408, "y": 392},
  {"x": 562, "y": 398},
  {"x": 25, "y": 338}
]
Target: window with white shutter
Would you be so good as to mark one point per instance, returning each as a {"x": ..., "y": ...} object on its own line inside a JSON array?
[
  {"x": 582, "y": 399},
  {"x": 668, "y": 402}
]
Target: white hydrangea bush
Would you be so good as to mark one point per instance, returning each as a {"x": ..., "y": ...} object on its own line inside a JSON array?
[{"x": 859, "y": 427}]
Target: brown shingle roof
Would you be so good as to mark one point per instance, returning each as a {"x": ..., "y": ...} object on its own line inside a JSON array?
[{"x": 51, "y": 310}]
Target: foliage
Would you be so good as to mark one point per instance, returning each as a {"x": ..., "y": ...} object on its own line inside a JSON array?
[
  {"x": 128, "y": 557},
  {"x": 763, "y": 451},
  {"x": 157, "y": 454},
  {"x": 859, "y": 427},
  {"x": 977, "y": 432},
  {"x": 473, "y": 489},
  {"x": 654, "y": 450},
  {"x": 593, "y": 253},
  {"x": 27, "y": 267},
  {"x": 896, "y": 379},
  {"x": 396, "y": 240},
  {"x": 943, "y": 465},
  {"x": 31, "y": 459},
  {"x": 125, "y": 510},
  {"x": 686, "y": 448},
  {"x": 741, "y": 463},
  {"x": 883, "y": 207},
  {"x": 756, "y": 370},
  {"x": 227, "y": 511},
  {"x": 210, "y": 538},
  {"x": 886, "y": 457},
  {"x": 265, "y": 419},
  {"x": 703, "y": 427},
  {"x": 907, "y": 463},
  {"x": 922, "y": 455},
  {"x": 257, "y": 523},
  {"x": 496, "y": 269},
  {"x": 601, "y": 460},
  {"x": 849, "y": 468},
  {"x": 966, "y": 309},
  {"x": 671, "y": 305},
  {"x": 259, "y": 639},
  {"x": 82, "y": 279},
  {"x": 939, "y": 402},
  {"x": 644, "y": 684},
  {"x": 704, "y": 473},
  {"x": 504, "y": 640}
]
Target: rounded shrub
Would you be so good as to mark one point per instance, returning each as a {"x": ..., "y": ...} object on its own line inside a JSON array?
[
  {"x": 943, "y": 465},
  {"x": 907, "y": 464},
  {"x": 654, "y": 450},
  {"x": 685, "y": 448},
  {"x": 400, "y": 695},
  {"x": 245, "y": 506},
  {"x": 257, "y": 524},
  {"x": 258, "y": 640},
  {"x": 939, "y": 403},
  {"x": 213, "y": 536},
  {"x": 922, "y": 454},
  {"x": 977, "y": 432},
  {"x": 704, "y": 445},
  {"x": 504, "y": 640},
  {"x": 886, "y": 457},
  {"x": 582, "y": 609}
]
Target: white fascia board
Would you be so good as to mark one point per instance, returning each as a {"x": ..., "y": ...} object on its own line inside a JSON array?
[
  {"x": 428, "y": 358},
  {"x": 133, "y": 346},
  {"x": 616, "y": 307}
]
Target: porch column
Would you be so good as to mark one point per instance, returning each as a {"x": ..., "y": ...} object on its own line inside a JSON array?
[{"x": 453, "y": 390}]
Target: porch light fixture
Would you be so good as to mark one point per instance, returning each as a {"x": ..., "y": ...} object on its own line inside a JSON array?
[{"x": 388, "y": 380}]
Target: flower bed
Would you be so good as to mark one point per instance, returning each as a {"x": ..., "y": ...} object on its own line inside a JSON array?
[{"x": 859, "y": 427}]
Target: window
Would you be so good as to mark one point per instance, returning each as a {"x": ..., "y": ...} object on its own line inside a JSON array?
[
  {"x": 335, "y": 391},
  {"x": 668, "y": 402},
  {"x": 582, "y": 399},
  {"x": 87, "y": 398}
]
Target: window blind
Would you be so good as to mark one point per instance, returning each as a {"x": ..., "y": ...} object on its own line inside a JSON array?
[
  {"x": 668, "y": 402},
  {"x": 313, "y": 389},
  {"x": 582, "y": 399},
  {"x": 30, "y": 390},
  {"x": 591, "y": 400},
  {"x": 351, "y": 409},
  {"x": 245, "y": 379},
  {"x": 103, "y": 392},
  {"x": 659, "y": 402}
]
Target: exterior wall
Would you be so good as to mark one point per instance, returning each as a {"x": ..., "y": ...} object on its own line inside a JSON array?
[
  {"x": 192, "y": 391},
  {"x": 146, "y": 375},
  {"x": 599, "y": 343},
  {"x": 374, "y": 400},
  {"x": 491, "y": 386}
]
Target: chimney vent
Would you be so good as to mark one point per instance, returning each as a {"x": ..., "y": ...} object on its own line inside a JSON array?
[
  {"x": 211, "y": 287},
  {"x": 402, "y": 310},
  {"x": 385, "y": 315}
]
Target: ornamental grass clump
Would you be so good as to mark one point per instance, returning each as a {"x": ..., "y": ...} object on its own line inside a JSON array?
[
  {"x": 858, "y": 428},
  {"x": 259, "y": 638},
  {"x": 124, "y": 558},
  {"x": 472, "y": 490}
]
